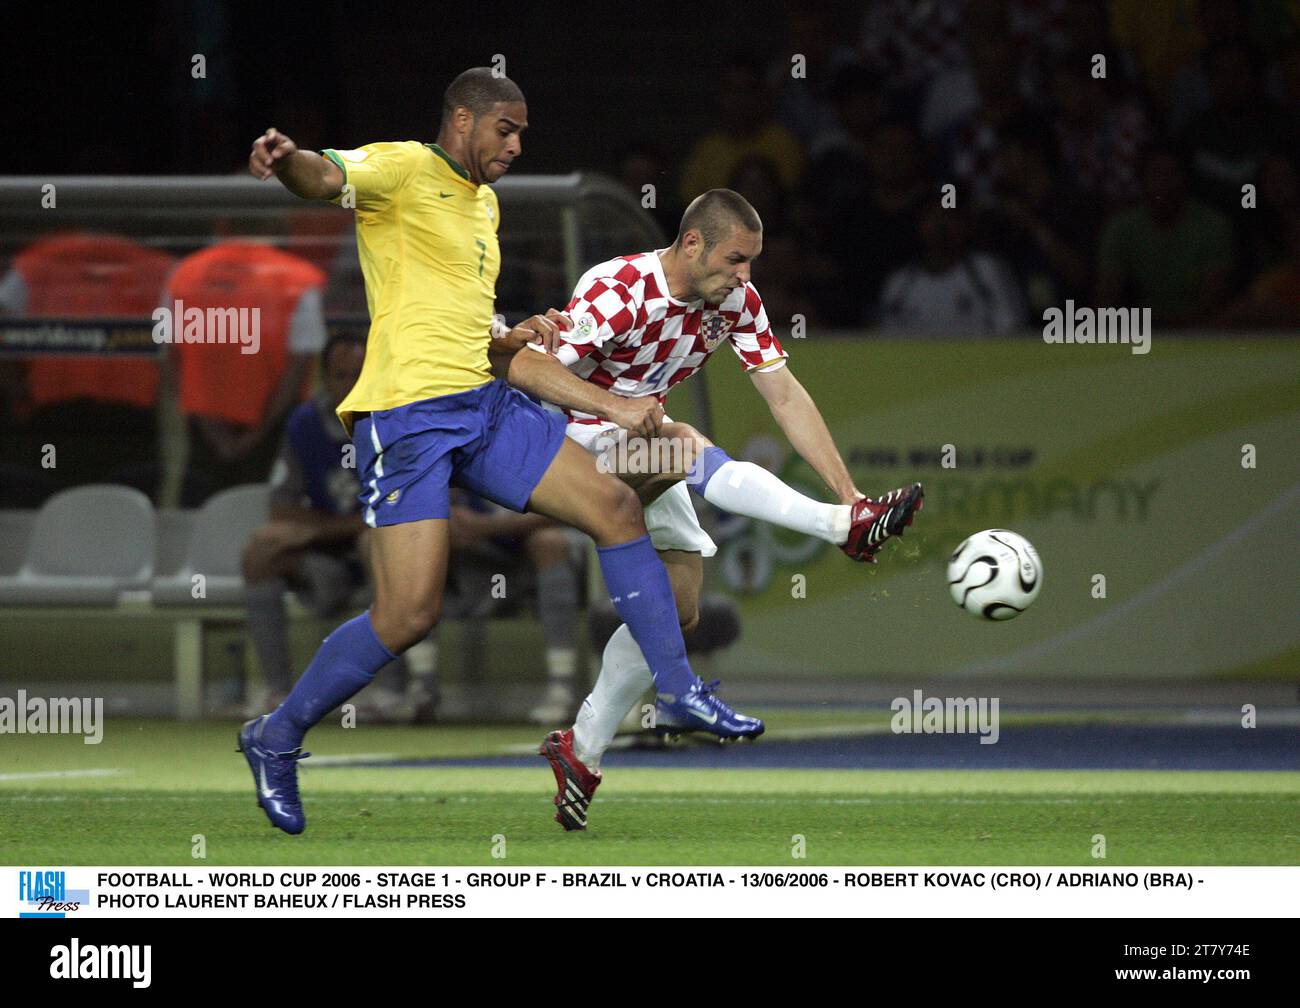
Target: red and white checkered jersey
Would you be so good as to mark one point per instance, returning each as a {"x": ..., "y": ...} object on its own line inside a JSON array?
[{"x": 631, "y": 337}]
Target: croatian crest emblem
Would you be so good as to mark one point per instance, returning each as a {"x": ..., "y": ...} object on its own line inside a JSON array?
[{"x": 714, "y": 328}]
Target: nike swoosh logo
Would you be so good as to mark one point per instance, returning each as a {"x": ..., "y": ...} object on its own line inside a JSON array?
[
  {"x": 445, "y": 195},
  {"x": 267, "y": 791},
  {"x": 706, "y": 720}
]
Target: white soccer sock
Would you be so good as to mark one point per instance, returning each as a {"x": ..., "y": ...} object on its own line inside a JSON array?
[
  {"x": 624, "y": 676},
  {"x": 746, "y": 489}
]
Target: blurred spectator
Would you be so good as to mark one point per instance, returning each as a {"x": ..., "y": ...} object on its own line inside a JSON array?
[
  {"x": 986, "y": 66},
  {"x": 1100, "y": 133},
  {"x": 98, "y": 411},
  {"x": 236, "y": 401},
  {"x": 967, "y": 109},
  {"x": 788, "y": 265},
  {"x": 910, "y": 44},
  {"x": 759, "y": 181},
  {"x": 1173, "y": 254},
  {"x": 1163, "y": 36},
  {"x": 838, "y": 154},
  {"x": 1227, "y": 142},
  {"x": 783, "y": 277},
  {"x": 1039, "y": 224},
  {"x": 644, "y": 165},
  {"x": 1046, "y": 30},
  {"x": 1285, "y": 83},
  {"x": 868, "y": 234},
  {"x": 1085, "y": 27},
  {"x": 1043, "y": 25},
  {"x": 746, "y": 128},
  {"x": 1277, "y": 210},
  {"x": 951, "y": 289},
  {"x": 1218, "y": 21},
  {"x": 803, "y": 104}
]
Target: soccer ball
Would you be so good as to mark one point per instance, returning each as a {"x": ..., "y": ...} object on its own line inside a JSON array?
[{"x": 995, "y": 574}]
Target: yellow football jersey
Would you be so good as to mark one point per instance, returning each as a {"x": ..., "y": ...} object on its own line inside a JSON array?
[{"x": 427, "y": 240}]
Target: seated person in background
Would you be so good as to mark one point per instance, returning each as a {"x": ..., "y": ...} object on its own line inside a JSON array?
[
  {"x": 1173, "y": 253},
  {"x": 490, "y": 533},
  {"x": 98, "y": 409},
  {"x": 951, "y": 289},
  {"x": 315, "y": 540},
  {"x": 236, "y": 398}
]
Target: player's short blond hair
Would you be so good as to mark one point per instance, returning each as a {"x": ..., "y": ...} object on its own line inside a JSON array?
[{"x": 713, "y": 214}]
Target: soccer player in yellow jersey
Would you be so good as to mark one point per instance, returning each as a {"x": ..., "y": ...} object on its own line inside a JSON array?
[{"x": 433, "y": 408}]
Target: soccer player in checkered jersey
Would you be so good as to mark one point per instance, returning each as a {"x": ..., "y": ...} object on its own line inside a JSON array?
[{"x": 641, "y": 324}]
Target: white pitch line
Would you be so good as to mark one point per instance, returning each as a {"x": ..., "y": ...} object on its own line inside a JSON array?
[
  {"x": 348, "y": 760},
  {"x": 808, "y": 733},
  {"x": 53, "y": 774}
]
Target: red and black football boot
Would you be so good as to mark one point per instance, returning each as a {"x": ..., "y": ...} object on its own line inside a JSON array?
[
  {"x": 574, "y": 782},
  {"x": 874, "y": 520}
]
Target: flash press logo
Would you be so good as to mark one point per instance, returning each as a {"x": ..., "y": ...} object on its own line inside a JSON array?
[
  {"x": 46, "y": 894},
  {"x": 178, "y": 324},
  {"x": 75, "y": 961},
  {"x": 924, "y": 715}
]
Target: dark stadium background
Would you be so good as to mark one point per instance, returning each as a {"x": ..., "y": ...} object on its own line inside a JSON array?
[{"x": 110, "y": 87}]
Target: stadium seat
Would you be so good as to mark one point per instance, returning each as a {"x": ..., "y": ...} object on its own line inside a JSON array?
[
  {"x": 217, "y": 534},
  {"x": 88, "y": 546},
  {"x": 175, "y": 526},
  {"x": 219, "y": 530},
  {"x": 15, "y": 533}
]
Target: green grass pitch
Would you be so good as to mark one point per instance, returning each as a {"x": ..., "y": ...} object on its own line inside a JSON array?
[{"x": 141, "y": 796}]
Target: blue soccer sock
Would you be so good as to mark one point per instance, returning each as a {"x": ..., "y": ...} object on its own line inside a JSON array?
[
  {"x": 346, "y": 661},
  {"x": 641, "y": 592},
  {"x": 706, "y": 465}
]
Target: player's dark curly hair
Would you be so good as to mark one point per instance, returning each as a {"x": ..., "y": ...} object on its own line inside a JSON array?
[{"x": 478, "y": 89}]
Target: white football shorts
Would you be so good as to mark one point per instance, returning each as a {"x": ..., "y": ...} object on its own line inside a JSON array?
[{"x": 670, "y": 519}]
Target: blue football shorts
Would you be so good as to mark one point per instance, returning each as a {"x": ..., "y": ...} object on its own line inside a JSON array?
[{"x": 493, "y": 441}]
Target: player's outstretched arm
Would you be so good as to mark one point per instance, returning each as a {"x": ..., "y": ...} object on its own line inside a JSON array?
[
  {"x": 798, "y": 416},
  {"x": 303, "y": 173},
  {"x": 541, "y": 375}
]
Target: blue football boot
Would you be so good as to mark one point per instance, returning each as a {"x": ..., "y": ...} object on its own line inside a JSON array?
[
  {"x": 700, "y": 710},
  {"x": 275, "y": 776}
]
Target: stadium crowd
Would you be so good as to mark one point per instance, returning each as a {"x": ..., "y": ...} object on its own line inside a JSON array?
[{"x": 1099, "y": 151}]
